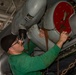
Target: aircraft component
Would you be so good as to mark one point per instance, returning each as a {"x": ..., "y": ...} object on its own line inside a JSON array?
[
  {"x": 29, "y": 14},
  {"x": 4, "y": 65},
  {"x": 22, "y": 34},
  {"x": 33, "y": 34},
  {"x": 72, "y": 22},
  {"x": 56, "y": 19}
]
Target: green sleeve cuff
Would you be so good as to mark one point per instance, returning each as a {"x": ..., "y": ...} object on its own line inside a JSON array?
[{"x": 56, "y": 47}]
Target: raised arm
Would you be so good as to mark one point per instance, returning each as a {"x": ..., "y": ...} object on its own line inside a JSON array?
[
  {"x": 62, "y": 39},
  {"x": 46, "y": 59}
]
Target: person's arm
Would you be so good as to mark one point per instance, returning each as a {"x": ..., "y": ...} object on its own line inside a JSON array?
[
  {"x": 63, "y": 37},
  {"x": 43, "y": 61},
  {"x": 30, "y": 47},
  {"x": 39, "y": 62}
]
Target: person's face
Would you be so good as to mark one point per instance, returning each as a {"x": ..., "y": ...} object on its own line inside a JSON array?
[{"x": 18, "y": 45}]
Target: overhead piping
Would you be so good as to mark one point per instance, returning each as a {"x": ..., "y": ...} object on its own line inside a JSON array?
[{"x": 6, "y": 23}]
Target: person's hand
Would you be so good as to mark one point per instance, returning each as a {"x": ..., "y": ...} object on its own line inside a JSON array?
[
  {"x": 41, "y": 33},
  {"x": 63, "y": 37}
]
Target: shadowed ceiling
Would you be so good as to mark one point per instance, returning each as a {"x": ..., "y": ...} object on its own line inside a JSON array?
[{"x": 7, "y": 9}]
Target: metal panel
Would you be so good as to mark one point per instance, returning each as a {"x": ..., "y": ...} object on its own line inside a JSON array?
[{"x": 33, "y": 34}]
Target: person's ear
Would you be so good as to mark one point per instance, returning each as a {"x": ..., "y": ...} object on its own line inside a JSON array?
[{"x": 10, "y": 50}]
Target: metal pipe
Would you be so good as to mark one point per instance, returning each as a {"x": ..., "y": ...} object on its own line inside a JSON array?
[
  {"x": 9, "y": 7},
  {"x": 6, "y": 23},
  {"x": 5, "y": 16},
  {"x": 13, "y": 3},
  {"x": 3, "y": 19}
]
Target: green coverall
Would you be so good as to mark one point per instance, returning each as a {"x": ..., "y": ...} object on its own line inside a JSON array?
[{"x": 24, "y": 64}]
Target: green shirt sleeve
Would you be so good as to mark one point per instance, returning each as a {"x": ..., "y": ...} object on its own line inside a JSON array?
[
  {"x": 40, "y": 62},
  {"x": 30, "y": 47}
]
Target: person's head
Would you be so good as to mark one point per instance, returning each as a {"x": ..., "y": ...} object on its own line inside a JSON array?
[{"x": 12, "y": 44}]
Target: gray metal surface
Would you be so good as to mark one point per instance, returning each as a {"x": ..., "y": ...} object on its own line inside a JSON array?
[
  {"x": 54, "y": 35},
  {"x": 4, "y": 65},
  {"x": 21, "y": 20},
  {"x": 75, "y": 0},
  {"x": 49, "y": 23},
  {"x": 33, "y": 34},
  {"x": 29, "y": 14},
  {"x": 72, "y": 22}
]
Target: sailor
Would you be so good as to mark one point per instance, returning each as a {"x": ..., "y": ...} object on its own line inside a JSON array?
[{"x": 21, "y": 62}]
